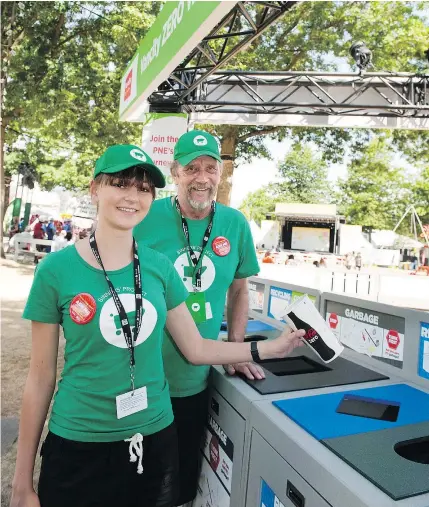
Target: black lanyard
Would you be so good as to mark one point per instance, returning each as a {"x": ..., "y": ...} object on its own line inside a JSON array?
[
  {"x": 138, "y": 292},
  {"x": 195, "y": 261}
]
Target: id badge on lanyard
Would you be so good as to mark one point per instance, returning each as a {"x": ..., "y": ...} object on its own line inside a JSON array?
[
  {"x": 196, "y": 301},
  {"x": 134, "y": 400}
]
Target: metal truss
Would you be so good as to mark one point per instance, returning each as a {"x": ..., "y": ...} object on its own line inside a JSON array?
[
  {"x": 210, "y": 95},
  {"x": 240, "y": 27},
  {"x": 302, "y": 93}
]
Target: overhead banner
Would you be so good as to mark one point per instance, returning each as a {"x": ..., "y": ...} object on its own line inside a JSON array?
[
  {"x": 177, "y": 30},
  {"x": 160, "y": 133}
]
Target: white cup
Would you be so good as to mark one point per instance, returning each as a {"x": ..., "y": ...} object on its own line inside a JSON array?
[{"x": 302, "y": 314}]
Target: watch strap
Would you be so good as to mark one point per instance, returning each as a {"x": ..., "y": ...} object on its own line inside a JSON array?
[{"x": 254, "y": 352}]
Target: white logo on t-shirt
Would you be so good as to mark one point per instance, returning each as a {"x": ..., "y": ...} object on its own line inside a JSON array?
[
  {"x": 200, "y": 141},
  {"x": 185, "y": 268},
  {"x": 139, "y": 155},
  {"x": 110, "y": 323}
]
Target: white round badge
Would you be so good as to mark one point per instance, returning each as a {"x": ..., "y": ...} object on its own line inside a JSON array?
[
  {"x": 138, "y": 155},
  {"x": 185, "y": 268},
  {"x": 200, "y": 141},
  {"x": 110, "y": 323}
]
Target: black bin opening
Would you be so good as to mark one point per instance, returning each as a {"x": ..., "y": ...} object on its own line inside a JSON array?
[
  {"x": 416, "y": 450},
  {"x": 293, "y": 366}
]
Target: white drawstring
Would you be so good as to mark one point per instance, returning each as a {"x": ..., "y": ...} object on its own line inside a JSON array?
[{"x": 136, "y": 444}]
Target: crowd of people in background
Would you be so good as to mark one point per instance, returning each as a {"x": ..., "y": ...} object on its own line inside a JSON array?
[
  {"x": 414, "y": 260},
  {"x": 276, "y": 256},
  {"x": 62, "y": 233}
]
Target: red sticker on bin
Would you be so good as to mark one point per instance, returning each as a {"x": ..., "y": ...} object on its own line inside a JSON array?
[
  {"x": 221, "y": 246},
  {"x": 82, "y": 308}
]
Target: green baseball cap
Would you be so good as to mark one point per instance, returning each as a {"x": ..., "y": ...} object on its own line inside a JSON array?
[
  {"x": 123, "y": 156},
  {"x": 194, "y": 144}
]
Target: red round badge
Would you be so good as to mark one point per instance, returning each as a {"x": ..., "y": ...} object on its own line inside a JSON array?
[
  {"x": 82, "y": 308},
  {"x": 221, "y": 246}
]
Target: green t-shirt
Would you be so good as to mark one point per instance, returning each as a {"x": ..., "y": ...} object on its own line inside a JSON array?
[
  {"x": 96, "y": 368},
  {"x": 162, "y": 230}
]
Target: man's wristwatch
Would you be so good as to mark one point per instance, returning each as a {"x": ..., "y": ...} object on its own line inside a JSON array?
[{"x": 254, "y": 352}]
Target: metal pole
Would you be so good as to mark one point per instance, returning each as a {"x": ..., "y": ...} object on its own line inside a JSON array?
[
  {"x": 421, "y": 225},
  {"x": 335, "y": 236},
  {"x": 400, "y": 221}
]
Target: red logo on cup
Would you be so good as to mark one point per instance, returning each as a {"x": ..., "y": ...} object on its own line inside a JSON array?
[
  {"x": 82, "y": 308},
  {"x": 128, "y": 83},
  {"x": 392, "y": 338},
  {"x": 333, "y": 320},
  {"x": 214, "y": 453},
  {"x": 221, "y": 246}
]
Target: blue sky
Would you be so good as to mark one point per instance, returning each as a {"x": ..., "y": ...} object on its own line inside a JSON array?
[{"x": 250, "y": 177}]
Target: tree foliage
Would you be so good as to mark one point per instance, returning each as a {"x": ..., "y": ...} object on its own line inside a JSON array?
[
  {"x": 64, "y": 62},
  {"x": 420, "y": 194},
  {"x": 302, "y": 178},
  {"x": 375, "y": 193},
  {"x": 257, "y": 205},
  {"x": 307, "y": 38}
]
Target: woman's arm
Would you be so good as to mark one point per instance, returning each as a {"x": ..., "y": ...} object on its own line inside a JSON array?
[
  {"x": 197, "y": 350},
  {"x": 38, "y": 392}
]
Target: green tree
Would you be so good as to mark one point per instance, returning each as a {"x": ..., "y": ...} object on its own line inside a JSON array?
[
  {"x": 420, "y": 195},
  {"x": 60, "y": 83},
  {"x": 303, "y": 40},
  {"x": 302, "y": 178},
  {"x": 375, "y": 193},
  {"x": 258, "y": 204}
]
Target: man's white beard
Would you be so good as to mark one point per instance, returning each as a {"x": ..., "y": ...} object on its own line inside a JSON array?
[{"x": 200, "y": 206}]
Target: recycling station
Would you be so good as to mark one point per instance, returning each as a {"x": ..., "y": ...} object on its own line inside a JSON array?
[{"x": 287, "y": 443}]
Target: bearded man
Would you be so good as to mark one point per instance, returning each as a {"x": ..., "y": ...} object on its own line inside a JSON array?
[{"x": 212, "y": 249}]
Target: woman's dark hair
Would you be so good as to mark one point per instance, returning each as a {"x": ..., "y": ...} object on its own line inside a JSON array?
[
  {"x": 69, "y": 236},
  {"x": 135, "y": 175}
]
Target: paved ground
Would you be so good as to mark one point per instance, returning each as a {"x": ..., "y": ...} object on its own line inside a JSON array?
[
  {"x": 15, "y": 284},
  {"x": 9, "y": 432}
]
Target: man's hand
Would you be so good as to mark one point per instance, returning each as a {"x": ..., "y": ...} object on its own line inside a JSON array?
[{"x": 251, "y": 370}]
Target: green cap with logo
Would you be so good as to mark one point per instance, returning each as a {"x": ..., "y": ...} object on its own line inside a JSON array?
[
  {"x": 194, "y": 144},
  {"x": 123, "y": 156}
]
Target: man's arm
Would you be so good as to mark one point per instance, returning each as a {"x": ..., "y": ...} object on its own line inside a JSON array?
[{"x": 237, "y": 317}]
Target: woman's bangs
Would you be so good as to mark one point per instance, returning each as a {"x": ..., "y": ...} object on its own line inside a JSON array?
[{"x": 133, "y": 176}]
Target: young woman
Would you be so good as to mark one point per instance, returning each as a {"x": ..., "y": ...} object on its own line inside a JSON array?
[{"x": 111, "y": 439}]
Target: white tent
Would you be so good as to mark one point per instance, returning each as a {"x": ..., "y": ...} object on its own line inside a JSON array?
[
  {"x": 389, "y": 239},
  {"x": 256, "y": 232}
]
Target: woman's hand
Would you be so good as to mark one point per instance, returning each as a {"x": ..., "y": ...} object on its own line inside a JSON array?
[
  {"x": 24, "y": 499},
  {"x": 281, "y": 346}
]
